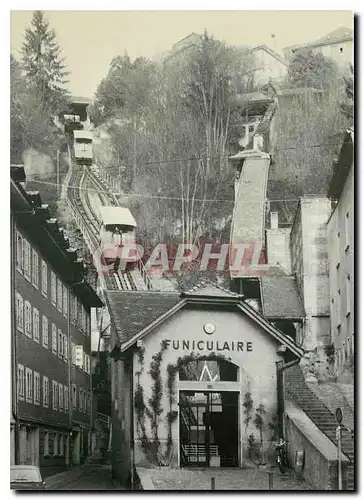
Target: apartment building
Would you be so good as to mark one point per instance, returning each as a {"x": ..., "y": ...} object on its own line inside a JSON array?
[
  {"x": 51, "y": 419},
  {"x": 340, "y": 228}
]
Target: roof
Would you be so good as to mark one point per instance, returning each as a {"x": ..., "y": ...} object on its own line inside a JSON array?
[
  {"x": 35, "y": 220},
  {"x": 342, "y": 166},
  {"x": 132, "y": 312},
  {"x": 117, "y": 216},
  {"x": 253, "y": 97},
  {"x": 82, "y": 134},
  {"x": 280, "y": 298},
  {"x": 136, "y": 314},
  {"x": 270, "y": 51},
  {"x": 339, "y": 34},
  {"x": 80, "y": 100}
]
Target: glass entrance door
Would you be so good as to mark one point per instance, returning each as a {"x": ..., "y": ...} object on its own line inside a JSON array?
[{"x": 208, "y": 429}]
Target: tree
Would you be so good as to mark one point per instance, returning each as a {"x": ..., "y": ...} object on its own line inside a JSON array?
[
  {"x": 173, "y": 126},
  {"x": 347, "y": 106},
  {"x": 309, "y": 69},
  {"x": 44, "y": 66}
]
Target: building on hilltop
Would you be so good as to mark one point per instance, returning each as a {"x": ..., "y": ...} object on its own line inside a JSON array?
[
  {"x": 270, "y": 66},
  {"x": 51, "y": 422},
  {"x": 338, "y": 45}
]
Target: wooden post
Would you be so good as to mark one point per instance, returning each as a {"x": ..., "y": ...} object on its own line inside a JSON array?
[
  {"x": 270, "y": 480},
  {"x": 212, "y": 483}
]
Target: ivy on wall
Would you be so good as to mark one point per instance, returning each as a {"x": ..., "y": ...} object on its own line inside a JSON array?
[{"x": 151, "y": 445}]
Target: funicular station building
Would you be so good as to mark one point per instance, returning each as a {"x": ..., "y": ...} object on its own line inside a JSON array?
[{"x": 190, "y": 371}]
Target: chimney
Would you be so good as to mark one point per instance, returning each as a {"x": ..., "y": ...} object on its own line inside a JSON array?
[{"x": 274, "y": 220}]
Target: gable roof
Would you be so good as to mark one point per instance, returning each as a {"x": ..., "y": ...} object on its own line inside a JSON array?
[
  {"x": 270, "y": 51},
  {"x": 209, "y": 288},
  {"x": 136, "y": 314},
  {"x": 280, "y": 298},
  {"x": 339, "y": 34}
]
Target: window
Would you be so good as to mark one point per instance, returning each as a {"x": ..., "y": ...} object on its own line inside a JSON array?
[
  {"x": 79, "y": 357},
  {"x": 53, "y": 288},
  {"x": 60, "y": 343},
  {"x": 65, "y": 301},
  {"x": 55, "y": 443},
  {"x": 61, "y": 445},
  {"x": 66, "y": 396},
  {"x": 36, "y": 388},
  {"x": 26, "y": 259},
  {"x": 85, "y": 394},
  {"x": 46, "y": 444},
  {"x": 61, "y": 405},
  {"x": 45, "y": 392},
  {"x": 54, "y": 338},
  {"x": 28, "y": 319},
  {"x": 19, "y": 312},
  {"x": 347, "y": 230},
  {"x": 35, "y": 269},
  {"x": 73, "y": 353},
  {"x": 29, "y": 385},
  {"x": 82, "y": 319},
  {"x": 19, "y": 252},
  {"x": 54, "y": 395},
  {"x": 88, "y": 323},
  {"x": 338, "y": 305},
  {"x": 74, "y": 309},
  {"x": 21, "y": 382},
  {"x": 74, "y": 396},
  {"x": 65, "y": 348},
  {"x": 59, "y": 295},
  {"x": 348, "y": 295},
  {"x": 36, "y": 325},
  {"x": 45, "y": 337},
  {"x": 86, "y": 363},
  {"x": 80, "y": 404},
  {"x": 44, "y": 279},
  {"x": 88, "y": 402},
  {"x": 79, "y": 313}
]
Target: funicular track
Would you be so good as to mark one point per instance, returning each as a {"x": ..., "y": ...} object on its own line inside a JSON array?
[{"x": 82, "y": 178}]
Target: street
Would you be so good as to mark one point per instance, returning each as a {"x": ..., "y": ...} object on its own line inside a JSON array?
[{"x": 91, "y": 476}]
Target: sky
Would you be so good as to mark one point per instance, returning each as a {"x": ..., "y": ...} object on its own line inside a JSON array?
[{"x": 90, "y": 39}]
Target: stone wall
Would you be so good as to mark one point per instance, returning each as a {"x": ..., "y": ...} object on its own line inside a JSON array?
[{"x": 320, "y": 470}]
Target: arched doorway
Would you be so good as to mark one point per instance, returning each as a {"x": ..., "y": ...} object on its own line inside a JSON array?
[{"x": 209, "y": 413}]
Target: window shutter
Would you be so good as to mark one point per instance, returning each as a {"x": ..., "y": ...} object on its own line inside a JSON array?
[{"x": 79, "y": 356}]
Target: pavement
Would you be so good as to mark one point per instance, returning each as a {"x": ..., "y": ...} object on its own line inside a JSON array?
[
  {"x": 165, "y": 478},
  {"x": 90, "y": 476}
]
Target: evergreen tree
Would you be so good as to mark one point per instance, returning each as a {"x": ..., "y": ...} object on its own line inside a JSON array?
[{"x": 44, "y": 66}]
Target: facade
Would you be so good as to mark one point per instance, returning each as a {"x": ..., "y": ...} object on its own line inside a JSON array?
[
  {"x": 185, "y": 369},
  {"x": 309, "y": 261},
  {"x": 338, "y": 45},
  {"x": 269, "y": 65},
  {"x": 340, "y": 228},
  {"x": 51, "y": 339}
]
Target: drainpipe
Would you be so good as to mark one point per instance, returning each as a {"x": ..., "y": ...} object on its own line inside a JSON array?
[
  {"x": 281, "y": 366},
  {"x": 14, "y": 346}
]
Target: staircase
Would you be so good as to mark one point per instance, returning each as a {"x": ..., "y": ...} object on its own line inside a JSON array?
[{"x": 296, "y": 389}]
